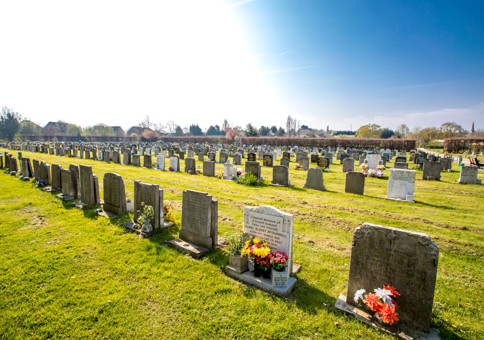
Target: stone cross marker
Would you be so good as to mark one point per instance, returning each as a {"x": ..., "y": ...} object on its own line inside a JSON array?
[
  {"x": 114, "y": 194},
  {"x": 400, "y": 184},
  {"x": 404, "y": 259},
  {"x": 199, "y": 219}
]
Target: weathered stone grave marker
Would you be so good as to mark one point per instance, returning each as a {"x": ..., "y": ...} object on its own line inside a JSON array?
[{"x": 401, "y": 184}]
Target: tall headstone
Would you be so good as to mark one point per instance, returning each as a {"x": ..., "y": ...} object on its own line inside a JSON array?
[
  {"x": 229, "y": 170},
  {"x": 76, "y": 187},
  {"x": 175, "y": 163},
  {"x": 355, "y": 183},
  {"x": 126, "y": 158},
  {"x": 114, "y": 194},
  {"x": 373, "y": 161},
  {"x": 160, "y": 162},
  {"x": 348, "y": 164},
  {"x": 135, "y": 160},
  {"x": 304, "y": 161},
  {"x": 237, "y": 159},
  {"x": 66, "y": 180},
  {"x": 314, "y": 179},
  {"x": 199, "y": 219},
  {"x": 253, "y": 167},
  {"x": 431, "y": 170},
  {"x": 89, "y": 186},
  {"x": 401, "y": 184},
  {"x": 147, "y": 161},
  {"x": 403, "y": 259},
  {"x": 56, "y": 177}
]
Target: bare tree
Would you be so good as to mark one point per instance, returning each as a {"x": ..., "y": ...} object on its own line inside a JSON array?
[
  {"x": 226, "y": 125},
  {"x": 146, "y": 124}
]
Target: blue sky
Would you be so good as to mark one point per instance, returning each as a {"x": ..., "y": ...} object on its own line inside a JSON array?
[{"x": 337, "y": 63}]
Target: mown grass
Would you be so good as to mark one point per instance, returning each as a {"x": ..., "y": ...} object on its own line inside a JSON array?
[{"x": 65, "y": 272}]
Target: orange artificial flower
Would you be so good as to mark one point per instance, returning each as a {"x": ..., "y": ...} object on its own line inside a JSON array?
[
  {"x": 392, "y": 289},
  {"x": 373, "y": 302},
  {"x": 388, "y": 314}
]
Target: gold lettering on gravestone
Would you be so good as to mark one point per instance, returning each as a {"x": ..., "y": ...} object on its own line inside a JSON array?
[{"x": 270, "y": 229}]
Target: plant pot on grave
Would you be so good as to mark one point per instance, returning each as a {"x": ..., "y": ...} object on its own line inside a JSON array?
[
  {"x": 280, "y": 278},
  {"x": 147, "y": 227},
  {"x": 238, "y": 263},
  {"x": 251, "y": 263},
  {"x": 266, "y": 272}
]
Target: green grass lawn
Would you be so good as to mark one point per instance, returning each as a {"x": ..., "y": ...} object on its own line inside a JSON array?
[{"x": 65, "y": 272}]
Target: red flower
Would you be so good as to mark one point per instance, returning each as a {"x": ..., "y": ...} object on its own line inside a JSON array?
[
  {"x": 373, "y": 302},
  {"x": 388, "y": 314},
  {"x": 392, "y": 289}
]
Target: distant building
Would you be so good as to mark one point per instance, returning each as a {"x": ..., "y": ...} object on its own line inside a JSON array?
[
  {"x": 135, "y": 129},
  {"x": 55, "y": 129}
]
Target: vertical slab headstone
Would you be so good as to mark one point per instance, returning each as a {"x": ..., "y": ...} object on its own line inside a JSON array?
[
  {"x": 160, "y": 163},
  {"x": 56, "y": 177},
  {"x": 175, "y": 163},
  {"x": 253, "y": 167},
  {"x": 304, "y": 161},
  {"x": 149, "y": 194},
  {"x": 403, "y": 259},
  {"x": 147, "y": 161},
  {"x": 431, "y": 170},
  {"x": 355, "y": 183},
  {"x": 237, "y": 159},
  {"x": 126, "y": 158},
  {"x": 89, "y": 186},
  {"x": 66, "y": 181},
  {"x": 76, "y": 184},
  {"x": 190, "y": 165},
  {"x": 285, "y": 161},
  {"x": 135, "y": 160},
  {"x": 114, "y": 194},
  {"x": 280, "y": 175},
  {"x": 468, "y": 175},
  {"x": 268, "y": 160},
  {"x": 401, "y": 184},
  {"x": 373, "y": 161},
  {"x": 348, "y": 164},
  {"x": 228, "y": 170},
  {"x": 314, "y": 179},
  {"x": 208, "y": 168},
  {"x": 199, "y": 219}
]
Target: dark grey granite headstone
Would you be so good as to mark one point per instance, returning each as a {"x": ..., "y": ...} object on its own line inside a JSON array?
[
  {"x": 315, "y": 179},
  {"x": 208, "y": 168},
  {"x": 355, "y": 183},
  {"x": 114, "y": 194},
  {"x": 190, "y": 165},
  {"x": 89, "y": 186},
  {"x": 431, "y": 170},
  {"x": 253, "y": 167},
  {"x": 280, "y": 175},
  {"x": 403, "y": 259},
  {"x": 149, "y": 194}
]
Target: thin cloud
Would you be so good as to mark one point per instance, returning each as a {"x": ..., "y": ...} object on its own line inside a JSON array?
[
  {"x": 232, "y": 4},
  {"x": 287, "y": 69},
  {"x": 415, "y": 86}
]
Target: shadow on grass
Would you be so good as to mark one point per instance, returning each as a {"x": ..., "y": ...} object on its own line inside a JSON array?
[
  {"x": 434, "y": 205},
  {"x": 310, "y": 299}
]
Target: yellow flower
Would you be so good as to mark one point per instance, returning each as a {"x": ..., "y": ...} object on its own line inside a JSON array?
[
  {"x": 257, "y": 240},
  {"x": 264, "y": 244},
  {"x": 247, "y": 242}
]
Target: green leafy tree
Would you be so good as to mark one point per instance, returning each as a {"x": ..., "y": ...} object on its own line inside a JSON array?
[
  {"x": 402, "y": 131},
  {"x": 280, "y": 132},
  {"x": 99, "y": 130},
  {"x": 74, "y": 130},
  {"x": 9, "y": 123},
  {"x": 251, "y": 131},
  {"x": 386, "y": 133},
  {"x": 449, "y": 130},
  {"x": 369, "y": 131},
  {"x": 27, "y": 128},
  {"x": 274, "y": 129},
  {"x": 195, "y": 130},
  {"x": 264, "y": 130},
  {"x": 215, "y": 131},
  {"x": 178, "y": 131}
]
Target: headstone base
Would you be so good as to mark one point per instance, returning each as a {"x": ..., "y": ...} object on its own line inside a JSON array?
[
  {"x": 24, "y": 179},
  {"x": 132, "y": 227},
  {"x": 188, "y": 248},
  {"x": 82, "y": 205},
  {"x": 260, "y": 282},
  {"x": 398, "y": 330},
  {"x": 50, "y": 189},
  {"x": 409, "y": 199},
  {"x": 110, "y": 215},
  {"x": 65, "y": 197},
  {"x": 282, "y": 186}
]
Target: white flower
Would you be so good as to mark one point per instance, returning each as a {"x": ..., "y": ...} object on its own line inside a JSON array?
[
  {"x": 382, "y": 293},
  {"x": 388, "y": 300},
  {"x": 359, "y": 295}
]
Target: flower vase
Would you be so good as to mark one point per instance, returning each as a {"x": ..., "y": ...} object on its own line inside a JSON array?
[
  {"x": 251, "y": 263},
  {"x": 257, "y": 270},
  {"x": 147, "y": 227},
  {"x": 266, "y": 272},
  {"x": 238, "y": 263},
  {"x": 280, "y": 278}
]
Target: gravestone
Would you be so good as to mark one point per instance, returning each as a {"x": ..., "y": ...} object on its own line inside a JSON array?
[
  {"x": 223, "y": 157},
  {"x": 400, "y": 165},
  {"x": 403, "y": 259},
  {"x": 208, "y": 168},
  {"x": 280, "y": 176},
  {"x": 106, "y": 156},
  {"x": 55, "y": 176},
  {"x": 348, "y": 164},
  {"x": 89, "y": 186},
  {"x": 229, "y": 171},
  {"x": 147, "y": 161},
  {"x": 1, "y": 162},
  {"x": 304, "y": 161},
  {"x": 115, "y": 157},
  {"x": 27, "y": 171},
  {"x": 114, "y": 194},
  {"x": 253, "y": 167},
  {"x": 36, "y": 166},
  {"x": 401, "y": 184},
  {"x": 314, "y": 179},
  {"x": 286, "y": 154},
  {"x": 66, "y": 180},
  {"x": 44, "y": 173},
  {"x": 200, "y": 157},
  {"x": 355, "y": 183},
  {"x": 76, "y": 188},
  {"x": 160, "y": 162},
  {"x": 268, "y": 160},
  {"x": 212, "y": 156},
  {"x": 237, "y": 159},
  {"x": 373, "y": 161},
  {"x": 323, "y": 162},
  {"x": 126, "y": 158},
  {"x": 446, "y": 164},
  {"x": 276, "y": 228},
  {"x": 199, "y": 230},
  {"x": 149, "y": 194},
  {"x": 135, "y": 160},
  {"x": 251, "y": 157},
  {"x": 190, "y": 165},
  {"x": 174, "y": 163},
  {"x": 468, "y": 175},
  {"x": 431, "y": 170},
  {"x": 285, "y": 161},
  {"x": 314, "y": 158}
]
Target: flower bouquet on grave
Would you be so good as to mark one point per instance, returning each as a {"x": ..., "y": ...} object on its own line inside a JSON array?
[
  {"x": 40, "y": 183},
  {"x": 364, "y": 169},
  {"x": 146, "y": 215},
  {"x": 255, "y": 248},
  {"x": 167, "y": 212},
  {"x": 380, "y": 167},
  {"x": 171, "y": 169},
  {"x": 382, "y": 303},
  {"x": 371, "y": 173},
  {"x": 239, "y": 172},
  {"x": 234, "y": 247},
  {"x": 280, "y": 275},
  {"x": 299, "y": 167}
]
